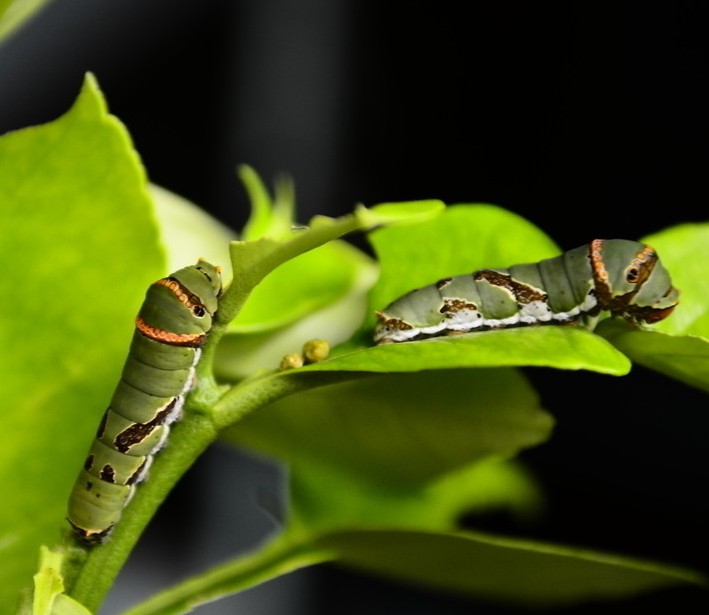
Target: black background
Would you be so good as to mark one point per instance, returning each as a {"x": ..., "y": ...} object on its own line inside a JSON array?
[{"x": 588, "y": 118}]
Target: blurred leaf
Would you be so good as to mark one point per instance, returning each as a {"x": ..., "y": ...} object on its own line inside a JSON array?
[
  {"x": 301, "y": 286},
  {"x": 402, "y": 429},
  {"x": 15, "y": 13},
  {"x": 274, "y": 218},
  {"x": 404, "y": 213},
  {"x": 241, "y": 354},
  {"x": 83, "y": 247},
  {"x": 500, "y": 569},
  {"x": 330, "y": 497}
]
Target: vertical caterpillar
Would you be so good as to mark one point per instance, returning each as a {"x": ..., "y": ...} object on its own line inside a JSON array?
[
  {"x": 171, "y": 326},
  {"x": 625, "y": 278}
]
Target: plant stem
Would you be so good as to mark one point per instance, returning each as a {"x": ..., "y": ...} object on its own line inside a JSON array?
[{"x": 280, "y": 557}]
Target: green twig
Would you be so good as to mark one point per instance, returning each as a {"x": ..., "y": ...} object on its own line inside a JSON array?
[{"x": 280, "y": 557}]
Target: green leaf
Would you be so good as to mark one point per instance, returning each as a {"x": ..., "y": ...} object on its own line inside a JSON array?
[
  {"x": 14, "y": 13},
  {"x": 682, "y": 357},
  {"x": 269, "y": 217},
  {"x": 301, "y": 286},
  {"x": 502, "y": 569},
  {"x": 557, "y": 347},
  {"x": 403, "y": 213},
  {"x": 402, "y": 429},
  {"x": 408, "y": 534},
  {"x": 48, "y": 597},
  {"x": 684, "y": 250},
  {"x": 329, "y": 497},
  {"x": 83, "y": 247}
]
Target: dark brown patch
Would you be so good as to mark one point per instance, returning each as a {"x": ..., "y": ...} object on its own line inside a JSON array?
[
  {"x": 395, "y": 324},
  {"x": 88, "y": 464},
  {"x": 452, "y": 306},
  {"x": 108, "y": 474},
  {"x": 648, "y": 314},
  {"x": 441, "y": 284},
  {"x": 88, "y": 536},
  {"x": 137, "y": 432},
  {"x": 523, "y": 293}
]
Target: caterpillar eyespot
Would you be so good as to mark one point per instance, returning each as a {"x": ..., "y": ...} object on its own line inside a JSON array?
[
  {"x": 172, "y": 325},
  {"x": 619, "y": 276},
  {"x": 633, "y": 275}
]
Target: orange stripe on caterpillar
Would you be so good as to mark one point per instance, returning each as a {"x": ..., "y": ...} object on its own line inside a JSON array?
[{"x": 168, "y": 337}]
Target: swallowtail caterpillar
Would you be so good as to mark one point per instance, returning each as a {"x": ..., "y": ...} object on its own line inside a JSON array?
[
  {"x": 172, "y": 325},
  {"x": 625, "y": 278}
]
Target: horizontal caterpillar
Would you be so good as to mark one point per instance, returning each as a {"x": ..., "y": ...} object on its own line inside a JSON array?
[
  {"x": 171, "y": 326},
  {"x": 625, "y": 278}
]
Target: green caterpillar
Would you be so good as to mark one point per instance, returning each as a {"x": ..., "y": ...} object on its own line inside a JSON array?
[
  {"x": 171, "y": 326},
  {"x": 625, "y": 278}
]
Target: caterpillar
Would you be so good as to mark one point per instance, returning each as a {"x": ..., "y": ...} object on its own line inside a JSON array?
[
  {"x": 622, "y": 277},
  {"x": 172, "y": 325}
]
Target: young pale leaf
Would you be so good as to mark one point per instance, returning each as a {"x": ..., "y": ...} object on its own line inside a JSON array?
[
  {"x": 301, "y": 286},
  {"x": 48, "y": 597}
]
